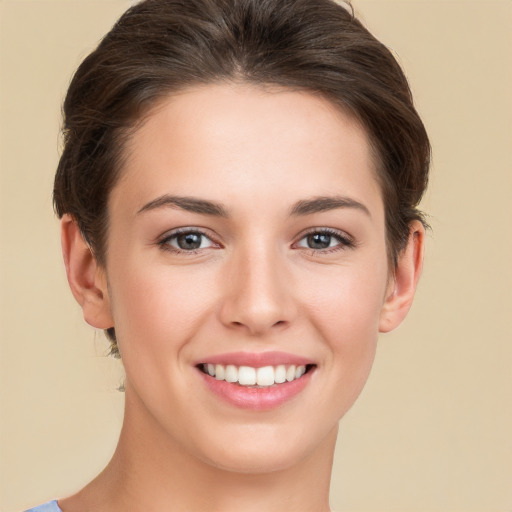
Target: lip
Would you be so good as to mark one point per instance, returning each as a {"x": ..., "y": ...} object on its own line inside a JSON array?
[
  {"x": 254, "y": 398},
  {"x": 256, "y": 359},
  {"x": 257, "y": 399}
]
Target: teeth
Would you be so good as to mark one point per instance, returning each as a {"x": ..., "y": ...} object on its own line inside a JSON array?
[
  {"x": 231, "y": 374},
  {"x": 300, "y": 371},
  {"x": 280, "y": 374},
  {"x": 219, "y": 372},
  {"x": 265, "y": 376},
  {"x": 248, "y": 376}
]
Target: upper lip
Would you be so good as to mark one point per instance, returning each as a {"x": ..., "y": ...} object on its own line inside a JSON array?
[{"x": 256, "y": 359}]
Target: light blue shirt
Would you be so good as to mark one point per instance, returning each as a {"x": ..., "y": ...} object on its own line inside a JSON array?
[{"x": 51, "y": 506}]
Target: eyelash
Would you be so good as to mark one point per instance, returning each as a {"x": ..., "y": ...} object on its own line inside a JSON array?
[
  {"x": 344, "y": 241},
  {"x": 164, "y": 243}
]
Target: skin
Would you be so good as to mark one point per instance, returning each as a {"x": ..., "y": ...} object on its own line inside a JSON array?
[{"x": 254, "y": 285}]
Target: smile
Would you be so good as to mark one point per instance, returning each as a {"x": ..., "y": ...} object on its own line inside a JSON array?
[
  {"x": 264, "y": 376},
  {"x": 257, "y": 381}
]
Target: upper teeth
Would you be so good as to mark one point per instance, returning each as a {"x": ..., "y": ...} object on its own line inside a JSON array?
[{"x": 249, "y": 376}]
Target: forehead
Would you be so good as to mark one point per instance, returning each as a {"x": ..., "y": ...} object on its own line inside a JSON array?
[{"x": 225, "y": 141}]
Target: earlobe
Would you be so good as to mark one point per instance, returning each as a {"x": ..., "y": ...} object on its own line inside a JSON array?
[
  {"x": 400, "y": 293},
  {"x": 86, "y": 278}
]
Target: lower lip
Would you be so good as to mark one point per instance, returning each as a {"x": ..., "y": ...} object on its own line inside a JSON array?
[{"x": 258, "y": 399}]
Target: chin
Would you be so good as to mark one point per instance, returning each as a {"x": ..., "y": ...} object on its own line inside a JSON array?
[
  {"x": 261, "y": 463},
  {"x": 260, "y": 450}
]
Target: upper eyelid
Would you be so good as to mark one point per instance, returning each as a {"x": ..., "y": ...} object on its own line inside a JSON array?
[
  {"x": 342, "y": 235},
  {"x": 187, "y": 229},
  {"x": 164, "y": 241},
  {"x": 331, "y": 231}
]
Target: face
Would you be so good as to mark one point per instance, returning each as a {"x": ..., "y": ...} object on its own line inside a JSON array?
[{"x": 246, "y": 248}]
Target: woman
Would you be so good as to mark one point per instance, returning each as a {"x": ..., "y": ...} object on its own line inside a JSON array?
[{"x": 238, "y": 193}]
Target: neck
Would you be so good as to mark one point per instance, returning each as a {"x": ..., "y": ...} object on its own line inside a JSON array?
[{"x": 150, "y": 471}]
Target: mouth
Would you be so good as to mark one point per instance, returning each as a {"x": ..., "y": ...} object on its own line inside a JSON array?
[
  {"x": 256, "y": 382},
  {"x": 261, "y": 377}
]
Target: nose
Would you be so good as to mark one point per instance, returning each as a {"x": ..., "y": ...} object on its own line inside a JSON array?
[{"x": 258, "y": 294}]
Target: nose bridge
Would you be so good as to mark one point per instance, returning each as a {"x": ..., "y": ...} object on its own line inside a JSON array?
[{"x": 258, "y": 296}]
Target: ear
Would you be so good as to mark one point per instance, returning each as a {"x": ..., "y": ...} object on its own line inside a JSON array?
[
  {"x": 402, "y": 285},
  {"x": 86, "y": 278}
]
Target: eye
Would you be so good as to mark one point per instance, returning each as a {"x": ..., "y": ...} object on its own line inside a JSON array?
[
  {"x": 186, "y": 241},
  {"x": 322, "y": 239}
]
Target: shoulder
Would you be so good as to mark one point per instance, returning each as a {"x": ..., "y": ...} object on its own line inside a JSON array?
[{"x": 51, "y": 506}]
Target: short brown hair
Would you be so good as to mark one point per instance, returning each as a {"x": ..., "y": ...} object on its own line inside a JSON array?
[{"x": 161, "y": 46}]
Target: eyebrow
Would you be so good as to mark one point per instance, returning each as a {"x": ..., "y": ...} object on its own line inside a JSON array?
[
  {"x": 190, "y": 204},
  {"x": 206, "y": 207},
  {"x": 325, "y": 203}
]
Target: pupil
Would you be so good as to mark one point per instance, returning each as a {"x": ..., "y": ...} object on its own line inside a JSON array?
[
  {"x": 319, "y": 241},
  {"x": 189, "y": 241}
]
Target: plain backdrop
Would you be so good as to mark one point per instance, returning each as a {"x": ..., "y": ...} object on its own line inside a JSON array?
[{"x": 433, "y": 429}]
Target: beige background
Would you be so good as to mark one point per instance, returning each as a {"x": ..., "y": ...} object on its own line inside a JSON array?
[{"x": 433, "y": 429}]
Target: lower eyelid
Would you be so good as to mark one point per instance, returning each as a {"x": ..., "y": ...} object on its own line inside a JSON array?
[
  {"x": 174, "y": 238},
  {"x": 168, "y": 240},
  {"x": 344, "y": 241}
]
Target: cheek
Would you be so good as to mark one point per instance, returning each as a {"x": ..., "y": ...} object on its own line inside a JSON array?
[
  {"x": 157, "y": 310},
  {"x": 346, "y": 315},
  {"x": 345, "y": 303}
]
